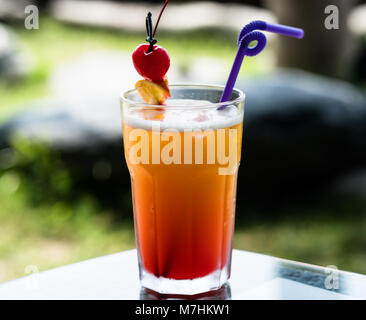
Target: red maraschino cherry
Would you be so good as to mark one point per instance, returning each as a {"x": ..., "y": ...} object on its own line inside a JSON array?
[
  {"x": 150, "y": 60},
  {"x": 152, "y": 65}
]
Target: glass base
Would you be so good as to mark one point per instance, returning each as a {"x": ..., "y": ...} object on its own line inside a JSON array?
[{"x": 213, "y": 281}]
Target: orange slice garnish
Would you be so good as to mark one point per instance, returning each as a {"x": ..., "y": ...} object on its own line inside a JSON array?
[{"x": 152, "y": 92}]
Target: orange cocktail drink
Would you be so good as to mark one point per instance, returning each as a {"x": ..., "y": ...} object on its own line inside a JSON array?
[{"x": 183, "y": 160}]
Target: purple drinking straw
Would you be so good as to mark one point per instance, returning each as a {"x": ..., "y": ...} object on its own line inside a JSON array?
[{"x": 248, "y": 35}]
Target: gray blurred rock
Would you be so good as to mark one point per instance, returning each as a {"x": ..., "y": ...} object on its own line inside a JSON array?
[
  {"x": 207, "y": 70},
  {"x": 13, "y": 9},
  {"x": 352, "y": 184},
  {"x": 12, "y": 63},
  {"x": 301, "y": 131},
  {"x": 357, "y": 21},
  {"x": 181, "y": 17}
]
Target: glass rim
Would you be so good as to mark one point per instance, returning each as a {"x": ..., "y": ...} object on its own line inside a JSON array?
[{"x": 240, "y": 98}]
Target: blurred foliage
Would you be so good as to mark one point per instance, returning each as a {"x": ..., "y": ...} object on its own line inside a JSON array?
[
  {"x": 44, "y": 175},
  {"x": 53, "y": 234}
]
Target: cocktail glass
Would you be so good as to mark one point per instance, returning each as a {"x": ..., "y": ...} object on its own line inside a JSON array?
[{"x": 183, "y": 160}]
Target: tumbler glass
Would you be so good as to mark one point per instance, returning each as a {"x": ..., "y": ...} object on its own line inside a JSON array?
[{"x": 183, "y": 160}]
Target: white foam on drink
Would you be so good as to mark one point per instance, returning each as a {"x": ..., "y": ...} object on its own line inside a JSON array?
[{"x": 193, "y": 118}]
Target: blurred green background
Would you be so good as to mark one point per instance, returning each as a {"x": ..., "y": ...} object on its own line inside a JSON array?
[{"x": 45, "y": 220}]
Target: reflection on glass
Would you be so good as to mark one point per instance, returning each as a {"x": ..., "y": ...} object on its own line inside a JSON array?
[{"x": 224, "y": 293}]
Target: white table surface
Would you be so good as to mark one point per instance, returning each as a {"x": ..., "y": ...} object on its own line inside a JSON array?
[{"x": 254, "y": 276}]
